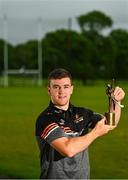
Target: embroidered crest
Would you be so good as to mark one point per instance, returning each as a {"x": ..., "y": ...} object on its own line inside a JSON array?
[
  {"x": 62, "y": 121},
  {"x": 78, "y": 118}
]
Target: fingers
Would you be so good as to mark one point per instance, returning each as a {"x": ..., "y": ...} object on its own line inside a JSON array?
[
  {"x": 102, "y": 121},
  {"x": 119, "y": 93},
  {"x": 108, "y": 127},
  {"x": 101, "y": 128}
]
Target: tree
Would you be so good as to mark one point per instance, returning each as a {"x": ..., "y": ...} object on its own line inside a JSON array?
[
  {"x": 94, "y": 21},
  {"x": 106, "y": 53},
  {"x": 1, "y": 55},
  {"x": 103, "y": 50},
  {"x": 25, "y": 55},
  {"x": 67, "y": 49},
  {"x": 120, "y": 37},
  {"x": 2, "y": 46}
]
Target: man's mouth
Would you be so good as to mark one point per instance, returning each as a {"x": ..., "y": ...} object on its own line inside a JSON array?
[{"x": 62, "y": 97}]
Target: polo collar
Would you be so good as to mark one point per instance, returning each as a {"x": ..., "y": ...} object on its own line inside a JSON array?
[{"x": 57, "y": 110}]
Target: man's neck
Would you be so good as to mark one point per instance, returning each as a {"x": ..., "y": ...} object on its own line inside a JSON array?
[{"x": 63, "y": 107}]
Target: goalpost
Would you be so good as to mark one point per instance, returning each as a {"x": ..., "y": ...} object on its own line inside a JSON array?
[{"x": 22, "y": 71}]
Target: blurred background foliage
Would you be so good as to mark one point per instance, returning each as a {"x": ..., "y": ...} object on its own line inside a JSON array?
[{"x": 88, "y": 54}]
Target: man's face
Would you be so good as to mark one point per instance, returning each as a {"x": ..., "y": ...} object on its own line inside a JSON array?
[{"x": 60, "y": 91}]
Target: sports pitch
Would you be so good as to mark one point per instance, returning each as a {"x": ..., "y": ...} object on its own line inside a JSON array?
[{"x": 19, "y": 155}]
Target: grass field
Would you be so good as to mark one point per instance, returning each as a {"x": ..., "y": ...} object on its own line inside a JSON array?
[{"x": 19, "y": 155}]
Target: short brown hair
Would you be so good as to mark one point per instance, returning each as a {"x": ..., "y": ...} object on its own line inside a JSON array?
[{"x": 59, "y": 73}]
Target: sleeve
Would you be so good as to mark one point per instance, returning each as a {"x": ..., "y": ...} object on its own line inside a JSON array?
[
  {"x": 48, "y": 129},
  {"x": 93, "y": 118}
]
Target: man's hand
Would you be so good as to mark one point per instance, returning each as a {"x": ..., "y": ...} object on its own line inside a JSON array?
[
  {"x": 101, "y": 128},
  {"x": 118, "y": 94}
]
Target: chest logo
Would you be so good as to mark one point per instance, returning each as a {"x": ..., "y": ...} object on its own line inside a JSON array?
[
  {"x": 62, "y": 121},
  {"x": 78, "y": 118}
]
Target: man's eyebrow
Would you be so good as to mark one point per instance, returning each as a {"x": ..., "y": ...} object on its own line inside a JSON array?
[
  {"x": 67, "y": 84},
  {"x": 55, "y": 84},
  {"x": 62, "y": 85}
]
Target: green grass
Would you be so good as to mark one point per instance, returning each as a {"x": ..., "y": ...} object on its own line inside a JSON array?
[{"x": 19, "y": 154}]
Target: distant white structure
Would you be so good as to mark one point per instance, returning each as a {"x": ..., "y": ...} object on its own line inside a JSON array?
[
  {"x": 22, "y": 70},
  {"x": 5, "y": 50}
]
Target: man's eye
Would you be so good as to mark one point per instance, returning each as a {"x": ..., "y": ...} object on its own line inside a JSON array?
[
  {"x": 66, "y": 87},
  {"x": 55, "y": 87}
]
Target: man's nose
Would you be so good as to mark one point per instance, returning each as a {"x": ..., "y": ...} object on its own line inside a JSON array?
[{"x": 61, "y": 89}]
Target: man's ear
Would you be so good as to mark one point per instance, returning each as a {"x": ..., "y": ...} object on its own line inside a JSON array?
[
  {"x": 72, "y": 87},
  {"x": 48, "y": 90}
]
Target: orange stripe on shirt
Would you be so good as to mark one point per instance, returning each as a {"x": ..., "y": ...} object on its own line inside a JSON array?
[
  {"x": 48, "y": 129},
  {"x": 66, "y": 129}
]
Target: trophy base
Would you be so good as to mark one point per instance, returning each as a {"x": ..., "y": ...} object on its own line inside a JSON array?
[{"x": 110, "y": 119}]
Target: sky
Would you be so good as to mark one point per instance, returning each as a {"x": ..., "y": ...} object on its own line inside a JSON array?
[{"x": 23, "y": 24}]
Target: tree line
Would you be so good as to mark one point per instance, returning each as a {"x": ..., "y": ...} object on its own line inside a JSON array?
[{"x": 87, "y": 54}]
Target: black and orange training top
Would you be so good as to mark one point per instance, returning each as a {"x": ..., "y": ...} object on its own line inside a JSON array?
[{"x": 54, "y": 123}]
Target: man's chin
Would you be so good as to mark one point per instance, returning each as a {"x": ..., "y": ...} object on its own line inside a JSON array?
[{"x": 62, "y": 103}]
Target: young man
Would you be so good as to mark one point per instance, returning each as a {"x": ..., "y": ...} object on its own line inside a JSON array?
[{"x": 63, "y": 130}]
